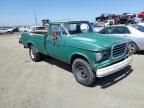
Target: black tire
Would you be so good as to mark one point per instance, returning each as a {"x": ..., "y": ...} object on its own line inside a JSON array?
[
  {"x": 35, "y": 56},
  {"x": 8, "y": 32},
  {"x": 20, "y": 42},
  {"x": 134, "y": 47},
  {"x": 82, "y": 72},
  {"x": 11, "y": 32}
]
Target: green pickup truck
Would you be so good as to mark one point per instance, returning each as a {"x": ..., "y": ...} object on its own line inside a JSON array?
[{"x": 90, "y": 54}]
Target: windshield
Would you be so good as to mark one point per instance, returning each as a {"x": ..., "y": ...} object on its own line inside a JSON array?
[
  {"x": 73, "y": 28},
  {"x": 139, "y": 27}
]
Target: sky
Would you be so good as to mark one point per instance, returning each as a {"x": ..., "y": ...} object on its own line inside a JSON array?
[{"x": 22, "y": 12}]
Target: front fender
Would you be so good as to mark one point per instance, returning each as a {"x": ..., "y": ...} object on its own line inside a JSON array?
[{"x": 88, "y": 55}]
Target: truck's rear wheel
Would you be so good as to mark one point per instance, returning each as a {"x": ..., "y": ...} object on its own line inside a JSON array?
[
  {"x": 82, "y": 72},
  {"x": 35, "y": 56}
]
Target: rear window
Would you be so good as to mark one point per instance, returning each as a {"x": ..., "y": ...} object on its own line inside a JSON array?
[{"x": 139, "y": 27}]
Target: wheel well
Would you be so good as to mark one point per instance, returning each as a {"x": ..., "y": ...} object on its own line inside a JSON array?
[
  {"x": 29, "y": 44},
  {"x": 77, "y": 56}
]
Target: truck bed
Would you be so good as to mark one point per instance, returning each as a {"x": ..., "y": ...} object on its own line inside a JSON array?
[{"x": 38, "y": 40}]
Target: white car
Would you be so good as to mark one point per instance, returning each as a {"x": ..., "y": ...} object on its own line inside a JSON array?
[
  {"x": 6, "y": 30},
  {"x": 133, "y": 32},
  {"x": 25, "y": 29},
  {"x": 39, "y": 29}
]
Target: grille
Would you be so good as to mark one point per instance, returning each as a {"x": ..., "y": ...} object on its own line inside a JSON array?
[{"x": 119, "y": 50}]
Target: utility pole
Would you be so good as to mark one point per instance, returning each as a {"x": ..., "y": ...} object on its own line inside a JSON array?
[{"x": 35, "y": 17}]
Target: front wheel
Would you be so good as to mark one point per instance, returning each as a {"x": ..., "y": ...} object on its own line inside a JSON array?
[
  {"x": 134, "y": 47},
  {"x": 35, "y": 56},
  {"x": 82, "y": 72}
]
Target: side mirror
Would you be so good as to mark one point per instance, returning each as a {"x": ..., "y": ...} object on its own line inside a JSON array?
[{"x": 54, "y": 36}]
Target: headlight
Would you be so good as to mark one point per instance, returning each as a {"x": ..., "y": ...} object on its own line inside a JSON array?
[
  {"x": 101, "y": 56},
  {"x": 98, "y": 56}
]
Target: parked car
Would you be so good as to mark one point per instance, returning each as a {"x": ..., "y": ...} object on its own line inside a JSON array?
[
  {"x": 39, "y": 29},
  {"x": 128, "y": 15},
  {"x": 6, "y": 30},
  {"x": 132, "y": 32},
  {"x": 16, "y": 29},
  {"x": 74, "y": 42},
  {"x": 25, "y": 28}
]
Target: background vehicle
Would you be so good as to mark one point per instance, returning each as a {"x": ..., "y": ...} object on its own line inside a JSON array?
[
  {"x": 109, "y": 22},
  {"x": 7, "y": 30},
  {"x": 133, "y": 32},
  {"x": 39, "y": 29},
  {"x": 74, "y": 42},
  {"x": 113, "y": 19},
  {"x": 25, "y": 28}
]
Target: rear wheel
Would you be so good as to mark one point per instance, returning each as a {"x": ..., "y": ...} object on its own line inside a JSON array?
[
  {"x": 82, "y": 72},
  {"x": 20, "y": 41},
  {"x": 35, "y": 56},
  {"x": 10, "y": 32}
]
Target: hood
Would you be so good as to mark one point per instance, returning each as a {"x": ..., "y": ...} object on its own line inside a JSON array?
[{"x": 94, "y": 41}]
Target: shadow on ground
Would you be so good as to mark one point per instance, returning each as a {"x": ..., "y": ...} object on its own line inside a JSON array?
[
  {"x": 140, "y": 53},
  {"x": 58, "y": 63},
  {"x": 104, "y": 82},
  {"x": 112, "y": 79}
]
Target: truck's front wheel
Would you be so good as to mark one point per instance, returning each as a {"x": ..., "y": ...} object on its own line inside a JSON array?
[
  {"x": 82, "y": 72},
  {"x": 35, "y": 56}
]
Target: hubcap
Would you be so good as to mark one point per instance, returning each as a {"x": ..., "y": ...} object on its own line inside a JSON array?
[
  {"x": 133, "y": 48},
  {"x": 32, "y": 54},
  {"x": 82, "y": 72}
]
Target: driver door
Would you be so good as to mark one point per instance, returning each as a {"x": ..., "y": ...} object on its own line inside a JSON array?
[{"x": 55, "y": 43}]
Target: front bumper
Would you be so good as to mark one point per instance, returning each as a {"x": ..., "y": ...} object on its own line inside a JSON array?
[{"x": 113, "y": 68}]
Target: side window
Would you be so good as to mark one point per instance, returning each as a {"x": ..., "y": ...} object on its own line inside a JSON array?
[
  {"x": 106, "y": 30},
  {"x": 121, "y": 30},
  {"x": 126, "y": 31},
  {"x": 56, "y": 28},
  {"x": 116, "y": 30}
]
